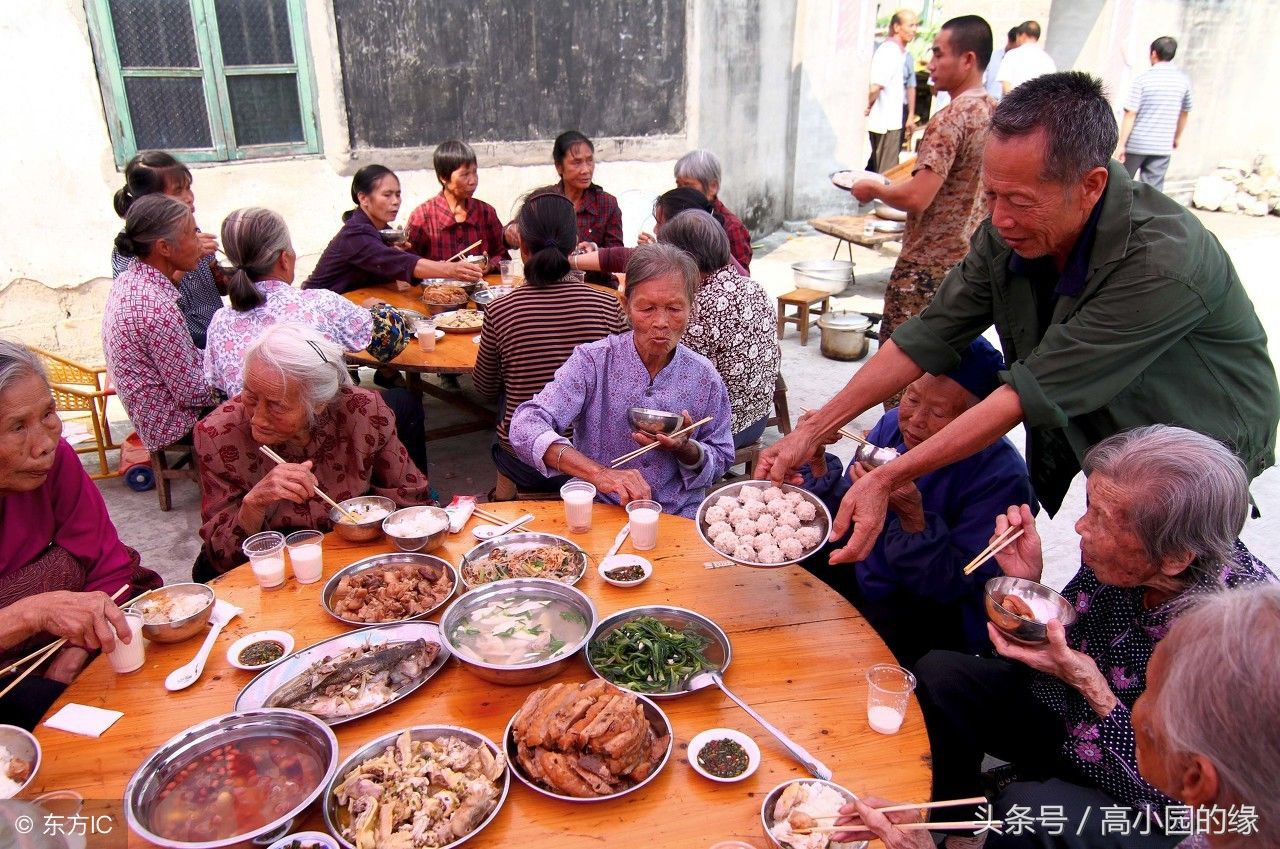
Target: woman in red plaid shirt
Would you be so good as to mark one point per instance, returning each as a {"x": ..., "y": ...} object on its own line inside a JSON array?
[{"x": 453, "y": 220}]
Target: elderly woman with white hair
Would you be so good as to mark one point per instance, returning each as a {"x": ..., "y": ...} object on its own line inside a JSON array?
[
  {"x": 1165, "y": 509},
  {"x": 732, "y": 322},
  {"x": 298, "y": 400},
  {"x": 700, "y": 169},
  {"x": 648, "y": 367},
  {"x": 1206, "y": 726}
]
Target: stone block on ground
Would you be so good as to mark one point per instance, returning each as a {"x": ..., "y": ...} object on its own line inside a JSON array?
[{"x": 1210, "y": 192}]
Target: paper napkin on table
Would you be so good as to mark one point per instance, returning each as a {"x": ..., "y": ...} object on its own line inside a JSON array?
[{"x": 83, "y": 719}]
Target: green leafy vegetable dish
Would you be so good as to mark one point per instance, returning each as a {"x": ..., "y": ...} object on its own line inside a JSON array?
[{"x": 645, "y": 655}]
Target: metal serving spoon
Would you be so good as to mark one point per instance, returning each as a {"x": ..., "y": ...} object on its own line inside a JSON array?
[
  {"x": 816, "y": 767},
  {"x": 184, "y": 676}
]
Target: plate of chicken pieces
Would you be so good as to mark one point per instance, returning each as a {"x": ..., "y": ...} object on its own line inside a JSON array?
[{"x": 587, "y": 742}]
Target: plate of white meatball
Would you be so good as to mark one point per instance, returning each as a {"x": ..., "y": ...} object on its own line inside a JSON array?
[{"x": 758, "y": 524}]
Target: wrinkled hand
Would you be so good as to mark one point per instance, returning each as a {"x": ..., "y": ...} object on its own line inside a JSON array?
[
  {"x": 904, "y": 500},
  {"x": 778, "y": 462},
  {"x": 586, "y": 248},
  {"x": 645, "y": 239},
  {"x": 285, "y": 482},
  {"x": 467, "y": 272},
  {"x": 867, "y": 190},
  {"x": 1024, "y": 558},
  {"x": 863, "y": 507},
  {"x": 85, "y": 619},
  {"x": 1054, "y": 658},
  {"x": 208, "y": 243},
  {"x": 626, "y": 485},
  {"x": 881, "y": 825}
]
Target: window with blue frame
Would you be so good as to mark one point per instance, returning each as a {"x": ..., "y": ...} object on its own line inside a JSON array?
[{"x": 206, "y": 80}]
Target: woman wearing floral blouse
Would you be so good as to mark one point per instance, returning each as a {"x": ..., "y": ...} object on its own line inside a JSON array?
[
  {"x": 732, "y": 322},
  {"x": 1165, "y": 507}
]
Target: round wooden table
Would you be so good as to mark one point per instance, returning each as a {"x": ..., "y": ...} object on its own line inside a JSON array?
[{"x": 800, "y": 652}]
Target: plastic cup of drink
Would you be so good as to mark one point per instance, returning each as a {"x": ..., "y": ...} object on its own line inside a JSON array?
[
  {"x": 266, "y": 557},
  {"x": 888, "y": 691},
  {"x": 130, "y": 656},
  {"x": 426, "y": 333},
  {"x": 507, "y": 268},
  {"x": 578, "y": 497},
  {"x": 306, "y": 555},
  {"x": 643, "y": 516}
]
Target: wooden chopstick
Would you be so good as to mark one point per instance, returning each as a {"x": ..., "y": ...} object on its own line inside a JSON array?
[
  {"x": 920, "y": 806},
  {"x": 996, "y": 546},
  {"x": 906, "y": 826},
  {"x": 350, "y": 517},
  {"x": 489, "y": 517},
  {"x": 463, "y": 252},
  {"x": 625, "y": 458},
  {"x": 43, "y": 654},
  {"x": 848, "y": 434}
]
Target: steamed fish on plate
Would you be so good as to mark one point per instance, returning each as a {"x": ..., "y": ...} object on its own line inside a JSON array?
[
  {"x": 419, "y": 793},
  {"x": 356, "y": 680}
]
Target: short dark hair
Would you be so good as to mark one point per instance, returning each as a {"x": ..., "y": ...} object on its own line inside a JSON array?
[
  {"x": 566, "y": 142},
  {"x": 1164, "y": 47},
  {"x": 549, "y": 229},
  {"x": 971, "y": 34},
  {"x": 676, "y": 201},
  {"x": 1013, "y": 34},
  {"x": 149, "y": 172},
  {"x": 450, "y": 156},
  {"x": 1072, "y": 110},
  {"x": 1030, "y": 29}
]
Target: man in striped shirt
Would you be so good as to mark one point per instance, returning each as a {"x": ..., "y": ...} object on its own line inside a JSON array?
[{"x": 1154, "y": 116}]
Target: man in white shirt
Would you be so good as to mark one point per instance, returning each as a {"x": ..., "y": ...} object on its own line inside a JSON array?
[
  {"x": 1154, "y": 116},
  {"x": 1026, "y": 61},
  {"x": 888, "y": 91},
  {"x": 990, "y": 77}
]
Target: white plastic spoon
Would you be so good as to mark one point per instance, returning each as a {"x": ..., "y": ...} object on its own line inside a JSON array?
[{"x": 184, "y": 676}]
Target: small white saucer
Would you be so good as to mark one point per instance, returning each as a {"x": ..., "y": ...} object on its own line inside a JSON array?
[
  {"x": 705, "y": 737},
  {"x": 282, "y": 637},
  {"x": 621, "y": 560},
  {"x": 306, "y": 838}
]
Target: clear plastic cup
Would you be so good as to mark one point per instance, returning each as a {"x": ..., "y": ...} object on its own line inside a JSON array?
[
  {"x": 507, "y": 268},
  {"x": 425, "y": 330},
  {"x": 889, "y": 690},
  {"x": 306, "y": 555},
  {"x": 578, "y": 497},
  {"x": 130, "y": 656},
  {"x": 266, "y": 557},
  {"x": 643, "y": 516}
]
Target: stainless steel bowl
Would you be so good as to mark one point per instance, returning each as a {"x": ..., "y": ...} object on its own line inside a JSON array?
[
  {"x": 526, "y": 540},
  {"x": 180, "y": 629},
  {"x": 336, "y": 819},
  {"x": 144, "y": 792},
  {"x": 486, "y": 296},
  {"x": 529, "y": 673},
  {"x": 821, "y": 520},
  {"x": 657, "y": 720},
  {"x": 440, "y": 309},
  {"x": 653, "y": 421},
  {"x": 21, "y": 744},
  {"x": 889, "y": 213},
  {"x": 718, "y": 650},
  {"x": 377, "y": 562},
  {"x": 411, "y": 315},
  {"x": 366, "y": 530},
  {"x": 1038, "y": 596},
  {"x": 430, "y": 542},
  {"x": 392, "y": 235},
  {"x": 771, "y": 802}
]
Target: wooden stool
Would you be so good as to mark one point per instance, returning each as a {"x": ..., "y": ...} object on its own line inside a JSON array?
[
  {"x": 184, "y": 468},
  {"x": 781, "y": 418},
  {"x": 805, "y": 301},
  {"x": 748, "y": 455}
]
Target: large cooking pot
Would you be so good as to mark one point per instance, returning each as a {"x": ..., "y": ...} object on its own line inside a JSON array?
[
  {"x": 826, "y": 275},
  {"x": 844, "y": 335}
]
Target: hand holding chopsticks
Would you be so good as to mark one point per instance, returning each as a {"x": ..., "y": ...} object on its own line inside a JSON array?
[
  {"x": 353, "y": 519},
  {"x": 626, "y": 458},
  {"x": 40, "y": 655},
  {"x": 967, "y": 825},
  {"x": 997, "y": 545},
  {"x": 460, "y": 254}
]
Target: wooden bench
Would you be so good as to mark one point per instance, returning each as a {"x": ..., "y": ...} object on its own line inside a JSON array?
[{"x": 809, "y": 305}]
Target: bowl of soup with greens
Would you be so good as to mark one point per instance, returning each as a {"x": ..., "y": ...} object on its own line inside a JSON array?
[{"x": 518, "y": 631}]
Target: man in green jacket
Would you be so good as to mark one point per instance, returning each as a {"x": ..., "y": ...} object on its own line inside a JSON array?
[{"x": 1114, "y": 305}]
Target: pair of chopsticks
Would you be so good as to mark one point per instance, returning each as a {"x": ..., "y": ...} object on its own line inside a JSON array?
[
  {"x": 997, "y": 545},
  {"x": 626, "y": 458},
  {"x": 460, "y": 254},
  {"x": 42, "y": 654},
  {"x": 846, "y": 433},
  {"x": 350, "y": 517},
  {"x": 911, "y": 826}
]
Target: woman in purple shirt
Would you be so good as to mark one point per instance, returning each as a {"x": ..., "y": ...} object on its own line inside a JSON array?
[
  {"x": 647, "y": 367},
  {"x": 357, "y": 257}
]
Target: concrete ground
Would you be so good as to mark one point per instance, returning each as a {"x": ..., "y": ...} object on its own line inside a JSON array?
[{"x": 169, "y": 541}]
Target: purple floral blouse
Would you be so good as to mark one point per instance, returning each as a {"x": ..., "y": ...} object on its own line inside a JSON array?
[{"x": 1115, "y": 629}]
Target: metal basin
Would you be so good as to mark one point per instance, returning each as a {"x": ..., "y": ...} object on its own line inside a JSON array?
[
  {"x": 1046, "y": 603},
  {"x": 377, "y": 562},
  {"x": 179, "y": 629},
  {"x": 366, "y": 530},
  {"x": 430, "y": 542},
  {"x": 653, "y": 421}
]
